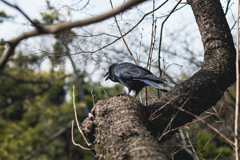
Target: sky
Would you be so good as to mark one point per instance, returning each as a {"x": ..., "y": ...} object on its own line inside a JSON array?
[{"x": 33, "y": 7}]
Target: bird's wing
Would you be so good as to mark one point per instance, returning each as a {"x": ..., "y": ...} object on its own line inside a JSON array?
[
  {"x": 131, "y": 71},
  {"x": 155, "y": 85}
]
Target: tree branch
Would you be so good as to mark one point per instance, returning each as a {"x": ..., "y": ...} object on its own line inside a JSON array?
[
  {"x": 24, "y": 14},
  {"x": 120, "y": 122},
  {"x": 63, "y": 26}
]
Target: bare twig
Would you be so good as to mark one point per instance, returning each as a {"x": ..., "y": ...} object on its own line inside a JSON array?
[
  {"x": 227, "y": 7},
  {"x": 210, "y": 126},
  {"x": 24, "y": 14},
  {"x": 188, "y": 1},
  {"x": 190, "y": 123},
  {"x": 103, "y": 89},
  {"x": 237, "y": 92},
  {"x": 75, "y": 112},
  {"x": 172, "y": 64},
  {"x": 173, "y": 117},
  {"x": 3, "y": 43},
  {"x": 146, "y": 97},
  {"x": 194, "y": 151},
  {"x": 92, "y": 52},
  {"x": 150, "y": 51},
  {"x": 217, "y": 114},
  {"x": 74, "y": 141},
  {"x": 58, "y": 133},
  {"x": 221, "y": 151},
  {"x": 160, "y": 41},
  {"x": 153, "y": 116},
  {"x": 40, "y": 147},
  {"x": 152, "y": 35},
  {"x": 93, "y": 97},
  {"x": 185, "y": 145},
  {"x": 140, "y": 43},
  {"x": 122, "y": 36}
]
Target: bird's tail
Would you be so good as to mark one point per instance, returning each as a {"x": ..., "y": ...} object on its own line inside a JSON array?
[{"x": 153, "y": 84}]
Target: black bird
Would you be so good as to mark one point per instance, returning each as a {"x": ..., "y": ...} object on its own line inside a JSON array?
[{"x": 134, "y": 77}]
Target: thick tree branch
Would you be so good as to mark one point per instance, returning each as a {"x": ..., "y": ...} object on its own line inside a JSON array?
[
  {"x": 133, "y": 140},
  {"x": 120, "y": 124},
  {"x": 206, "y": 86}
]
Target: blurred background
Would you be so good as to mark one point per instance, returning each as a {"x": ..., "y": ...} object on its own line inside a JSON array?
[{"x": 36, "y": 103}]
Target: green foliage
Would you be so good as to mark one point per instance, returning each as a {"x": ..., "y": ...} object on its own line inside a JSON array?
[
  {"x": 2, "y": 49},
  {"x": 211, "y": 149},
  {"x": 34, "y": 104},
  {"x": 33, "y": 107},
  {"x": 4, "y": 16},
  {"x": 29, "y": 121},
  {"x": 52, "y": 15}
]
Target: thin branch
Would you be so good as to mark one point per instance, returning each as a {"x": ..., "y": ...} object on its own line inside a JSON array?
[
  {"x": 185, "y": 145},
  {"x": 122, "y": 36},
  {"x": 237, "y": 92},
  {"x": 103, "y": 89},
  {"x": 126, "y": 32},
  {"x": 160, "y": 41},
  {"x": 194, "y": 151},
  {"x": 75, "y": 112},
  {"x": 227, "y": 7},
  {"x": 150, "y": 51},
  {"x": 221, "y": 151},
  {"x": 217, "y": 114},
  {"x": 152, "y": 35},
  {"x": 24, "y": 14},
  {"x": 140, "y": 43},
  {"x": 93, "y": 97},
  {"x": 146, "y": 97},
  {"x": 40, "y": 147},
  {"x": 168, "y": 127},
  {"x": 58, "y": 133},
  {"x": 74, "y": 141},
  {"x": 154, "y": 116},
  {"x": 210, "y": 126},
  {"x": 63, "y": 26},
  {"x": 3, "y": 43},
  {"x": 189, "y": 123},
  {"x": 92, "y": 52}
]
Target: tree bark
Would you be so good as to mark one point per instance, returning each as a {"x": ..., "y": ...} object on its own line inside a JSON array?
[{"x": 120, "y": 127}]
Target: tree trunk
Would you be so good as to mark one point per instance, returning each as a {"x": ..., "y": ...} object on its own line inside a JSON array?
[{"x": 120, "y": 127}]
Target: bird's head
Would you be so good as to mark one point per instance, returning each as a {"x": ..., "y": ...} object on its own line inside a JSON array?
[{"x": 110, "y": 74}]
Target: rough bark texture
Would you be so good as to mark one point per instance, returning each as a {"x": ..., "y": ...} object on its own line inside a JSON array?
[
  {"x": 121, "y": 132},
  {"x": 120, "y": 127}
]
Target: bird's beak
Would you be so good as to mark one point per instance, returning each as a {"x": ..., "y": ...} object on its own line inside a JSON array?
[
  {"x": 107, "y": 78},
  {"x": 106, "y": 74}
]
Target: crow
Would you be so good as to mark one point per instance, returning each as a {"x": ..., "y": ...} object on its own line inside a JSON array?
[{"x": 134, "y": 77}]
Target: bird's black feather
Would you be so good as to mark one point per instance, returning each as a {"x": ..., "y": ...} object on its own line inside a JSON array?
[{"x": 134, "y": 77}]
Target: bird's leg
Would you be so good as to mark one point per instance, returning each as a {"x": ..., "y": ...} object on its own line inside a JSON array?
[
  {"x": 129, "y": 90},
  {"x": 135, "y": 96},
  {"x": 137, "y": 91}
]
